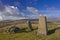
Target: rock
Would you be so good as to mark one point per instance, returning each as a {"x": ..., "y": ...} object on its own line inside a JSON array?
[{"x": 13, "y": 29}]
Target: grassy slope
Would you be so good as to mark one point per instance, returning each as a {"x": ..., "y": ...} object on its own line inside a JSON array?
[{"x": 30, "y": 35}]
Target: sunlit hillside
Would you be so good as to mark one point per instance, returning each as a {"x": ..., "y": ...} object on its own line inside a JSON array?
[{"x": 53, "y": 32}]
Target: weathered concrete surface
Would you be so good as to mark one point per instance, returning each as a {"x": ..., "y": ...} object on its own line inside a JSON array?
[{"x": 42, "y": 27}]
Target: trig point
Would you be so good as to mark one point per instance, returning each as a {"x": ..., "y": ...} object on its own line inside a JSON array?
[{"x": 42, "y": 27}]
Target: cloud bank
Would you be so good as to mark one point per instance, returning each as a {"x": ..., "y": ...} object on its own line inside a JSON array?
[
  {"x": 10, "y": 13},
  {"x": 50, "y": 13}
]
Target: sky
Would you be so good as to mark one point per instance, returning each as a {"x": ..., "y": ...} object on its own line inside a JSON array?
[{"x": 29, "y": 9}]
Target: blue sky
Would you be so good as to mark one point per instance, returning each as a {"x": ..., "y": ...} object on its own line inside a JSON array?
[
  {"x": 39, "y": 4},
  {"x": 21, "y": 9}
]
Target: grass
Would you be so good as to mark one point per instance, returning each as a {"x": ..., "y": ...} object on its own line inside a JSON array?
[{"x": 31, "y": 35}]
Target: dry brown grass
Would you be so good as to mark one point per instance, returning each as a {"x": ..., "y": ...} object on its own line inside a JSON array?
[{"x": 28, "y": 35}]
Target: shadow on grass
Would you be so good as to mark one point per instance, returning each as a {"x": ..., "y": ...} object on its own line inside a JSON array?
[
  {"x": 26, "y": 30},
  {"x": 52, "y": 31}
]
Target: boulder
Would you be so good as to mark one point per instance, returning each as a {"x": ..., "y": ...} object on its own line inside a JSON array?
[{"x": 13, "y": 29}]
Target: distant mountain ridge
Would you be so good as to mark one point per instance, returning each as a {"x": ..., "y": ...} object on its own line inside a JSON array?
[{"x": 48, "y": 19}]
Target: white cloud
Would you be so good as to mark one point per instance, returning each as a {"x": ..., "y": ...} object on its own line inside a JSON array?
[
  {"x": 35, "y": 13},
  {"x": 33, "y": 10},
  {"x": 50, "y": 13},
  {"x": 0, "y": 17},
  {"x": 11, "y": 12},
  {"x": 8, "y": 12},
  {"x": 12, "y": 7}
]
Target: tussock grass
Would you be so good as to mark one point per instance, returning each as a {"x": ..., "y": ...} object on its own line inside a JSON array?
[{"x": 31, "y": 35}]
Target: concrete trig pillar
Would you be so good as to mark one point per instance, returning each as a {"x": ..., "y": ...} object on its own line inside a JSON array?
[{"x": 42, "y": 27}]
